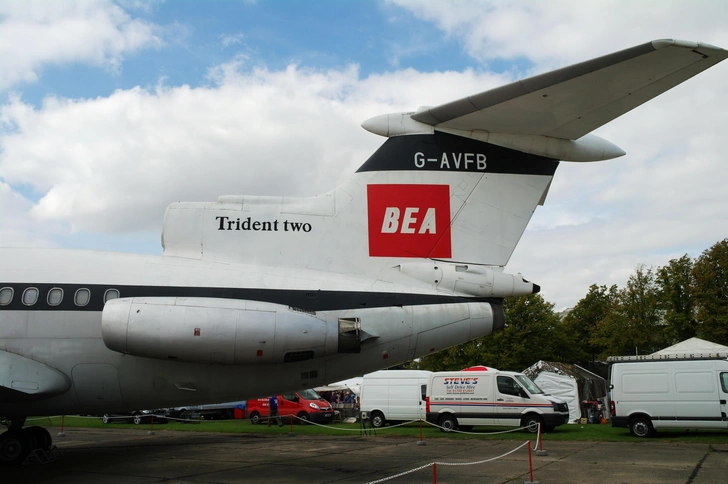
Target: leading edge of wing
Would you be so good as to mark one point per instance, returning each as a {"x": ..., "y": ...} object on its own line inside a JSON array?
[{"x": 572, "y": 101}]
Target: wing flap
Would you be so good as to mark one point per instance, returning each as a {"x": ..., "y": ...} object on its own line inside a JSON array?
[{"x": 570, "y": 102}]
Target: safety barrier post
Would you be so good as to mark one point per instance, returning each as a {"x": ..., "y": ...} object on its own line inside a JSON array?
[
  {"x": 291, "y": 433},
  {"x": 421, "y": 442},
  {"x": 434, "y": 473},
  {"x": 63, "y": 421},
  {"x": 530, "y": 466},
  {"x": 540, "y": 450},
  {"x": 151, "y": 426}
]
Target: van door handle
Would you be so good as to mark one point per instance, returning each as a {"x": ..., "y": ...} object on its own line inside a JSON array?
[
  {"x": 499, "y": 400},
  {"x": 722, "y": 402}
]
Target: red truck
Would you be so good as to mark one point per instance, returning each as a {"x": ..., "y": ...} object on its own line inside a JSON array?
[{"x": 305, "y": 404}]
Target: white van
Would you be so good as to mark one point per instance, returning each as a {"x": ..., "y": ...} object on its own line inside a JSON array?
[
  {"x": 670, "y": 392},
  {"x": 393, "y": 396},
  {"x": 487, "y": 396}
]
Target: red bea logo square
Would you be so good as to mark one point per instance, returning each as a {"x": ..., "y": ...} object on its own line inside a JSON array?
[{"x": 409, "y": 221}]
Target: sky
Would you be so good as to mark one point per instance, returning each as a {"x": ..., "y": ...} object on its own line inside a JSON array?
[{"x": 109, "y": 111}]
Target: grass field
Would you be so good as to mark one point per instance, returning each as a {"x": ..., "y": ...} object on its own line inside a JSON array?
[{"x": 600, "y": 433}]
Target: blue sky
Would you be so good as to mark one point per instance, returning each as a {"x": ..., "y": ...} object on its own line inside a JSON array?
[
  {"x": 377, "y": 36},
  {"x": 111, "y": 110}
]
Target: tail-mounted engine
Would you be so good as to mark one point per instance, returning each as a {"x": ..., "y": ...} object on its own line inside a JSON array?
[{"x": 223, "y": 331}]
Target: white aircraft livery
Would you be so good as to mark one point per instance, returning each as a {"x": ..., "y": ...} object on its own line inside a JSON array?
[{"x": 254, "y": 296}]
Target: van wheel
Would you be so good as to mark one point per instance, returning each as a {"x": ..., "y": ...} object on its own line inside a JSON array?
[
  {"x": 106, "y": 418},
  {"x": 377, "y": 419},
  {"x": 137, "y": 419},
  {"x": 255, "y": 418},
  {"x": 641, "y": 426},
  {"x": 303, "y": 418},
  {"x": 448, "y": 423},
  {"x": 531, "y": 422}
]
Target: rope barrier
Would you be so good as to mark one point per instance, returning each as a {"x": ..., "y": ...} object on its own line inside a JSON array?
[{"x": 404, "y": 473}]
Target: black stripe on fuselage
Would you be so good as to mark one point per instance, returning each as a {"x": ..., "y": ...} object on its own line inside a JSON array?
[
  {"x": 450, "y": 153},
  {"x": 310, "y": 300}
]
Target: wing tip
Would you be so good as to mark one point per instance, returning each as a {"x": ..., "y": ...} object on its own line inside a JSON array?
[{"x": 702, "y": 47}]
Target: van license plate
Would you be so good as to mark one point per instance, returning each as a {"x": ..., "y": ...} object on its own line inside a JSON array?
[{"x": 327, "y": 415}]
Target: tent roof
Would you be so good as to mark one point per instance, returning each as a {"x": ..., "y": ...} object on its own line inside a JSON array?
[
  {"x": 565, "y": 369},
  {"x": 691, "y": 346}
]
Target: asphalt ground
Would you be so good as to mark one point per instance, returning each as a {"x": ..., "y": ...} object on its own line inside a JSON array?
[{"x": 131, "y": 456}]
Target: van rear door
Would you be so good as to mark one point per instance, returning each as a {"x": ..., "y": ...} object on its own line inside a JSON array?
[{"x": 723, "y": 385}]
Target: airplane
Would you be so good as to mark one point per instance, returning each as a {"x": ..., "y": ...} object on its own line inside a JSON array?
[{"x": 257, "y": 295}]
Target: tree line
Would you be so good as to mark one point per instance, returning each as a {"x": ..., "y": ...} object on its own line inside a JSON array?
[{"x": 657, "y": 308}]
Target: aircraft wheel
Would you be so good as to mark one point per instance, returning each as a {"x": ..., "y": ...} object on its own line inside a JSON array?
[
  {"x": 137, "y": 419},
  {"x": 43, "y": 438},
  {"x": 14, "y": 447},
  {"x": 106, "y": 418}
]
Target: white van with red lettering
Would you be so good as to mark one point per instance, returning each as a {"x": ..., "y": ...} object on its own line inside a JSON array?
[
  {"x": 486, "y": 396},
  {"x": 304, "y": 405}
]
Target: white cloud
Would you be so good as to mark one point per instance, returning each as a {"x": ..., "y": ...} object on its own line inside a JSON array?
[
  {"x": 112, "y": 164},
  {"x": 231, "y": 39},
  {"x": 559, "y": 32},
  {"x": 35, "y": 34}
]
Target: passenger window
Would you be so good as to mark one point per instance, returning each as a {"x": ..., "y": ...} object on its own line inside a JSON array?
[
  {"x": 724, "y": 382},
  {"x": 55, "y": 296},
  {"x": 30, "y": 296},
  {"x": 423, "y": 392},
  {"x": 291, "y": 397},
  {"x": 110, "y": 294},
  {"x": 6, "y": 296},
  {"x": 82, "y": 297}
]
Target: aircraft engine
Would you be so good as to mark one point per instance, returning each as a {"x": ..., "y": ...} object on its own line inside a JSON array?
[{"x": 223, "y": 331}]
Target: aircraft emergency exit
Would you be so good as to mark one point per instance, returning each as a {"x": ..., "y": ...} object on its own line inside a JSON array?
[{"x": 260, "y": 295}]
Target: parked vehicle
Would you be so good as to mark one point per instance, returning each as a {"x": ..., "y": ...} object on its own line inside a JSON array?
[
  {"x": 392, "y": 396},
  {"x": 214, "y": 411},
  {"x": 486, "y": 396},
  {"x": 657, "y": 391},
  {"x": 137, "y": 417},
  {"x": 304, "y": 404}
]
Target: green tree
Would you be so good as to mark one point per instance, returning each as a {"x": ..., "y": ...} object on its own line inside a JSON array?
[
  {"x": 584, "y": 321},
  {"x": 635, "y": 324},
  {"x": 675, "y": 281},
  {"x": 710, "y": 274},
  {"x": 530, "y": 334}
]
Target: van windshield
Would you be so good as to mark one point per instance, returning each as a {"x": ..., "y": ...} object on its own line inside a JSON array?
[
  {"x": 309, "y": 395},
  {"x": 529, "y": 385}
]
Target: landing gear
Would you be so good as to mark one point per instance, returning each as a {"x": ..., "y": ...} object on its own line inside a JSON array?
[{"x": 17, "y": 442}]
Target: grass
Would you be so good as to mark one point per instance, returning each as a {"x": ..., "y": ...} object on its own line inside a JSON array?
[{"x": 593, "y": 433}]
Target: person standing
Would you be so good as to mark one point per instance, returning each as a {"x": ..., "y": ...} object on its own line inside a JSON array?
[{"x": 273, "y": 409}]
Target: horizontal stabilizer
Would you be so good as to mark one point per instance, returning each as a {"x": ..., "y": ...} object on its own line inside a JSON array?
[{"x": 570, "y": 102}]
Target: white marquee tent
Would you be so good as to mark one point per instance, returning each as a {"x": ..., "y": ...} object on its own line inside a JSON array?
[{"x": 571, "y": 383}]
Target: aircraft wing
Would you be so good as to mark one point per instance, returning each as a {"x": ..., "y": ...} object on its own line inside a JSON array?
[{"x": 570, "y": 102}]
